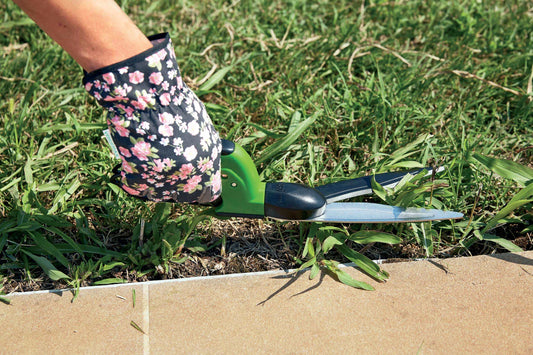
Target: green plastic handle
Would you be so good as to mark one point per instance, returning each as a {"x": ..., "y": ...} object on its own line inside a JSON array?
[{"x": 242, "y": 190}]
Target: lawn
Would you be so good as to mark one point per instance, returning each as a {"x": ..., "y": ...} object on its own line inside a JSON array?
[{"x": 316, "y": 92}]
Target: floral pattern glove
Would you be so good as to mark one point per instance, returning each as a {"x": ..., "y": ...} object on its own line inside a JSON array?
[{"x": 169, "y": 147}]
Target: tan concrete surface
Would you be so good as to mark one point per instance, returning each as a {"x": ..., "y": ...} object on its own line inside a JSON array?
[{"x": 465, "y": 305}]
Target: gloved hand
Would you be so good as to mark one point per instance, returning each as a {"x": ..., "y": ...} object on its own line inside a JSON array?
[{"x": 169, "y": 147}]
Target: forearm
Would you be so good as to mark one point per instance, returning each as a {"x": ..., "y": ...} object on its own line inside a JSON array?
[{"x": 96, "y": 33}]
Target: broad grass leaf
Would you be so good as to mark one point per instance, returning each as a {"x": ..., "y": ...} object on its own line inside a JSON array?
[
  {"x": 75, "y": 246},
  {"x": 265, "y": 131},
  {"x": 90, "y": 249},
  {"x": 315, "y": 269},
  {"x": 506, "y": 168},
  {"x": 110, "y": 281},
  {"x": 364, "y": 263},
  {"x": 111, "y": 266},
  {"x": 507, "y": 244},
  {"x": 308, "y": 263},
  {"x": 346, "y": 279},
  {"x": 48, "y": 268},
  {"x": 365, "y": 237},
  {"x": 379, "y": 190},
  {"x": 510, "y": 207},
  {"x": 5, "y": 300},
  {"x": 409, "y": 164},
  {"x": 329, "y": 243},
  {"x": 215, "y": 78},
  {"x": 407, "y": 150},
  {"x": 48, "y": 247},
  {"x": 284, "y": 143}
]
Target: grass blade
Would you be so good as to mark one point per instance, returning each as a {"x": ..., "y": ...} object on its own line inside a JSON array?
[
  {"x": 215, "y": 79},
  {"x": 365, "y": 237},
  {"x": 48, "y": 268},
  {"x": 506, "y": 168},
  {"x": 364, "y": 263},
  {"x": 289, "y": 138},
  {"x": 110, "y": 281},
  {"x": 507, "y": 244}
]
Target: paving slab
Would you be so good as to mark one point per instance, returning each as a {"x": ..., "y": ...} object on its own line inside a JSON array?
[{"x": 480, "y": 304}]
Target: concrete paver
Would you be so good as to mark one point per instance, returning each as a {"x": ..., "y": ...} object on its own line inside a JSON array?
[{"x": 465, "y": 305}]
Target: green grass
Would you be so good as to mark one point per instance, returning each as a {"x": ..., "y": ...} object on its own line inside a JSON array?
[{"x": 391, "y": 85}]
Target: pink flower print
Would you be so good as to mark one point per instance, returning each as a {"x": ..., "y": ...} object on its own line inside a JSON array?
[
  {"x": 166, "y": 130},
  {"x": 156, "y": 78},
  {"x": 168, "y": 162},
  {"x": 141, "y": 150},
  {"x": 216, "y": 183},
  {"x": 145, "y": 125},
  {"x": 192, "y": 183},
  {"x": 159, "y": 165},
  {"x": 155, "y": 59},
  {"x": 162, "y": 54},
  {"x": 120, "y": 91},
  {"x": 129, "y": 111},
  {"x": 152, "y": 137},
  {"x": 124, "y": 152},
  {"x": 179, "y": 81},
  {"x": 205, "y": 164},
  {"x": 88, "y": 86},
  {"x": 114, "y": 98},
  {"x": 122, "y": 131},
  {"x": 136, "y": 77},
  {"x": 109, "y": 78},
  {"x": 190, "y": 153},
  {"x": 97, "y": 95},
  {"x": 120, "y": 126},
  {"x": 185, "y": 170},
  {"x": 97, "y": 84},
  {"x": 123, "y": 70},
  {"x": 165, "y": 85},
  {"x": 165, "y": 99},
  {"x": 130, "y": 190},
  {"x": 142, "y": 187},
  {"x": 139, "y": 105},
  {"x": 126, "y": 167},
  {"x": 144, "y": 100},
  {"x": 165, "y": 141},
  {"x": 166, "y": 118}
]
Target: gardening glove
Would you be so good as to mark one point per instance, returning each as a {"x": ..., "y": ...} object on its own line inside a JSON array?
[{"x": 169, "y": 147}]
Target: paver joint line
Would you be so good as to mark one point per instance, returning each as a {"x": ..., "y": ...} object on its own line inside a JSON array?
[{"x": 146, "y": 319}]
